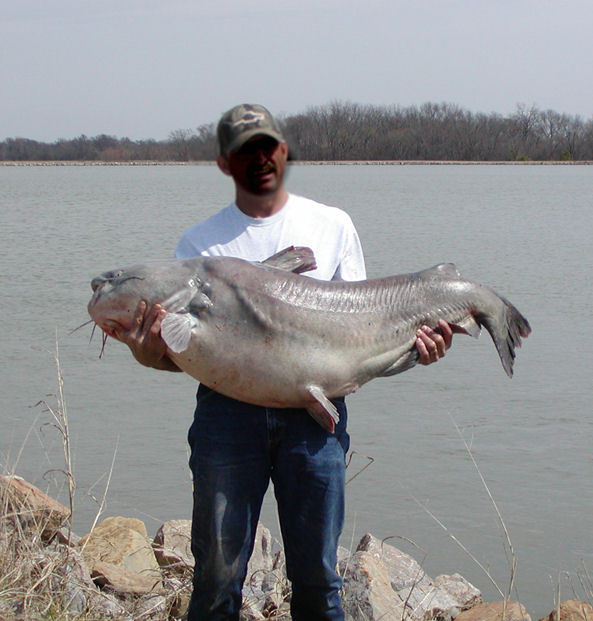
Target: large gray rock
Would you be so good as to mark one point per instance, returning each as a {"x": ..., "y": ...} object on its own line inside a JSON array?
[{"x": 424, "y": 598}]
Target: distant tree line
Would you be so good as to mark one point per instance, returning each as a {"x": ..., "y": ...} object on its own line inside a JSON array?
[
  {"x": 181, "y": 146},
  {"x": 350, "y": 131}
]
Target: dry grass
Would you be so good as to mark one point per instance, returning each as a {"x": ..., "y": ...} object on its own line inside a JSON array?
[{"x": 44, "y": 577}]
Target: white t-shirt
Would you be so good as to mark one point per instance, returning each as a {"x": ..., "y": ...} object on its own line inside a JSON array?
[{"x": 328, "y": 231}]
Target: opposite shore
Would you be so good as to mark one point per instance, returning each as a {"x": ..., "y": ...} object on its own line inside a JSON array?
[{"x": 302, "y": 163}]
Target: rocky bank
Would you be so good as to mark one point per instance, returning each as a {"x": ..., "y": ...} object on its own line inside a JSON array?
[{"x": 117, "y": 572}]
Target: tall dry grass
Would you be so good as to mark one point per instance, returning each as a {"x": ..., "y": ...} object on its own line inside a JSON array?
[{"x": 44, "y": 576}]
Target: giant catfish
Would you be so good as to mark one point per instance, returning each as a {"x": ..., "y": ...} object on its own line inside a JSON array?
[{"x": 264, "y": 334}]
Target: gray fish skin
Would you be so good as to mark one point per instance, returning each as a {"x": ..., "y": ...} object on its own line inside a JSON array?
[{"x": 263, "y": 334}]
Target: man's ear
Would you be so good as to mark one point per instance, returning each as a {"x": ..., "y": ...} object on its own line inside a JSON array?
[{"x": 223, "y": 164}]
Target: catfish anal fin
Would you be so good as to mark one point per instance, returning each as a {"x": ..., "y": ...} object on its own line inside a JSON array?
[{"x": 324, "y": 411}]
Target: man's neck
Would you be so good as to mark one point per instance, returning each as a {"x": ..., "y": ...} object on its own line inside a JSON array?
[{"x": 261, "y": 206}]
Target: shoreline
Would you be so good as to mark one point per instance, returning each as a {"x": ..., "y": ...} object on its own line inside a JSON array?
[{"x": 15, "y": 163}]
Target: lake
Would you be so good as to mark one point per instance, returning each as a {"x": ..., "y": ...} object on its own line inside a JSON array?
[{"x": 441, "y": 443}]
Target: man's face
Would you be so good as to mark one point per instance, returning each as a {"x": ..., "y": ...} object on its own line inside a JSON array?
[{"x": 258, "y": 166}]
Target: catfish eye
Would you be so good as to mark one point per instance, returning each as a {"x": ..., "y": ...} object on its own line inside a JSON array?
[{"x": 113, "y": 275}]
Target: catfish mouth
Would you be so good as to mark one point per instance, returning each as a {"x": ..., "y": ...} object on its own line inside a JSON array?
[
  {"x": 111, "y": 327},
  {"x": 109, "y": 330},
  {"x": 108, "y": 324}
]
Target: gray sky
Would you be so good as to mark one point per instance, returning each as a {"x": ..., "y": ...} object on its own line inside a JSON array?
[{"x": 143, "y": 68}]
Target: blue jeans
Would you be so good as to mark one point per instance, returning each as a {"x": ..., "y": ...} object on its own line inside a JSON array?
[{"x": 235, "y": 449}]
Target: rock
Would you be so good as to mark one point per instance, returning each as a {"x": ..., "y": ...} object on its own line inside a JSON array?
[
  {"x": 151, "y": 607},
  {"x": 172, "y": 545},
  {"x": 367, "y": 592},
  {"x": 122, "y": 522},
  {"x": 116, "y": 578},
  {"x": 423, "y": 596},
  {"x": 380, "y": 581},
  {"x": 76, "y": 583},
  {"x": 266, "y": 586},
  {"x": 251, "y": 609},
  {"x": 36, "y": 511},
  {"x": 106, "y": 606},
  {"x": 67, "y": 537},
  {"x": 403, "y": 570},
  {"x": 262, "y": 559},
  {"x": 495, "y": 611},
  {"x": 464, "y": 593},
  {"x": 180, "y": 593},
  {"x": 343, "y": 553},
  {"x": 121, "y": 542},
  {"x": 571, "y": 610}
]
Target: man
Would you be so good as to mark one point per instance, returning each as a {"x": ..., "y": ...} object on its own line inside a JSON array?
[{"x": 236, "y": 448}]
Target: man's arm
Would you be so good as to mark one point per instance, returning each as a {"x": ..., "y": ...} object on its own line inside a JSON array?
[{"x": 144, "y": 338}]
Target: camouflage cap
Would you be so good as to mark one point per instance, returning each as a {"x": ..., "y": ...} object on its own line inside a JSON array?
[{"x": 243, "y": 122}]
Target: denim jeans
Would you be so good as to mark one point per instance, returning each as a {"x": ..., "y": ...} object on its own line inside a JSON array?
[{"x": 236, "y": 448}]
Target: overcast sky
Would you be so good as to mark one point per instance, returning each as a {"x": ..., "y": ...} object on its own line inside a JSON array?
[{"x": 143, "y": 68}]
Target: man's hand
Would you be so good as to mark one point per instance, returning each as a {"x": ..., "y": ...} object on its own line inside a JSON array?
[
  {"x": 432, "y": 344},
  {"x": 144, "y": 338}
]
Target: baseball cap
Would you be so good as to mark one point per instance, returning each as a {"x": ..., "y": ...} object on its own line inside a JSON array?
[{"x": 243, "y": 122}]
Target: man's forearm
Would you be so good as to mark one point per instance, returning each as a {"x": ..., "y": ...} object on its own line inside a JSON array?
[{"x": 166, "y": 364}]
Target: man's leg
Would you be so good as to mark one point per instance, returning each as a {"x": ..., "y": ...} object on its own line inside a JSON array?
[
  {"x": 308, "y": 473},
  {"x": 230, "y": 467}
]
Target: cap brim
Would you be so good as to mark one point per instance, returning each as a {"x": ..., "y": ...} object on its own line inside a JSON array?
[{"x": 248, "y": 135}]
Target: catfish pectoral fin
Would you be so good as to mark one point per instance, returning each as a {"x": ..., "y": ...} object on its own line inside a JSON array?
[{"x": 176, "y": 330}]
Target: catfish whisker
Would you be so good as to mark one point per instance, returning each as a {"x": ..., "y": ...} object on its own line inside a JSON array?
[
  {"x": 86, "y": 323},
  {"x": 93, "y": 332},
  {"x": 103, "y": 344}
]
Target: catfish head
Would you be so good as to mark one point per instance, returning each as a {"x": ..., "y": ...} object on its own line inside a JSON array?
[{"x": 175, "y": 284}]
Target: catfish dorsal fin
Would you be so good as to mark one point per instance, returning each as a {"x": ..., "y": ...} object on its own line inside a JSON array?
[
  {"x": 444, "y": 269},
  {"x": 297, "y": 259}
]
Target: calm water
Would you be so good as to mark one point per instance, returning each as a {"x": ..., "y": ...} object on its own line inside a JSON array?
[{"x": 524, "y": 230}]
